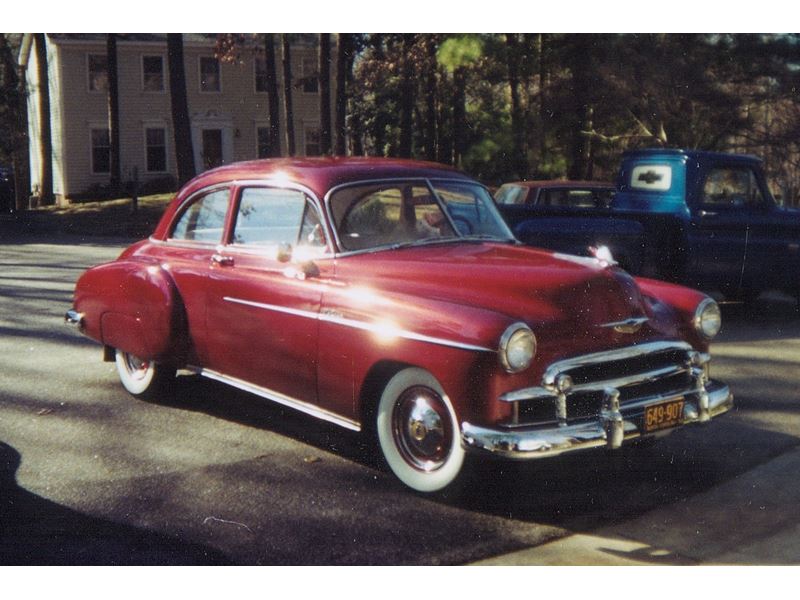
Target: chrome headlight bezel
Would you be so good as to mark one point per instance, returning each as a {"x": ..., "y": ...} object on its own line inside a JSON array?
[
  {"x": 707, "y": 319},
  {"x": 513, "y": 340}
]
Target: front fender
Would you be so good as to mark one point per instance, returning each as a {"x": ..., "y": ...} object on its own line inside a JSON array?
[{"x": 134, "y": 306}]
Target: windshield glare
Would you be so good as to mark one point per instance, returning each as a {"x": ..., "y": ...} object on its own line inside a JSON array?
[{"x": 406, "y": 212}]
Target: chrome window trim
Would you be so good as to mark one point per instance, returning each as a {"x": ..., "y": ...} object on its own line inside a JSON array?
[
  {"x": 237, "y": 184},
  {"x": 282, "y": 185},
  {"x": 337, "y": 319},
  {"x": 279, "y": 398},
  {"x": 428, "y": 181}
]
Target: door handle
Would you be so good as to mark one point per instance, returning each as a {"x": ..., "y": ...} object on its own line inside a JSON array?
[{"x": 221, "y": 260}]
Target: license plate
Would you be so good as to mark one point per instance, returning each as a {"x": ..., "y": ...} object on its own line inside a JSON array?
[{"x": 664, "y": 415}]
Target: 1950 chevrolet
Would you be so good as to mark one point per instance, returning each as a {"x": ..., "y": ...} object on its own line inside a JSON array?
[{"x": 389, "y": 296}]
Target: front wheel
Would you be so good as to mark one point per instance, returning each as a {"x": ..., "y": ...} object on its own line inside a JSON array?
[
  {"x": 418, "y": 431},
  {"x": 143, "y": 378}
]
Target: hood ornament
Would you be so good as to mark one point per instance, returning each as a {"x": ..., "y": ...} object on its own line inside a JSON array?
[{"x": 631, "y": 325}]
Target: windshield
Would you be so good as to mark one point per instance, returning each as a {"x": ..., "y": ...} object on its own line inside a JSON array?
[{"x": 396, "y": 213}]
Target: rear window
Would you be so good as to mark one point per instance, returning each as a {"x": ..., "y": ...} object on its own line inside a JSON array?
[{"x": 656, "y": 178}]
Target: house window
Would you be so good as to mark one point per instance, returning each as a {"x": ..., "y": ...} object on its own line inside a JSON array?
[
  {"x": 153, "y": 73},
  {"x": 262, "y": 142},
  {"x": 310, "y": 76},
  {"x": 101, "y": 151},
  {"x": 209, "y": 74},
  {"x": 261, "y": 74},
  {"x": 97, "y": 65},
  {"x": 312, "y": 141},
  {"x": 156, "y": 149}
]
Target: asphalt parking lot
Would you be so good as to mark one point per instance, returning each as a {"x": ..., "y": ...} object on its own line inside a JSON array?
[{"x": 213, "y": 476}]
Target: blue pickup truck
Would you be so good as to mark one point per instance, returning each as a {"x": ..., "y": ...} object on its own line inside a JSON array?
[{"x": 703, "y": 219}]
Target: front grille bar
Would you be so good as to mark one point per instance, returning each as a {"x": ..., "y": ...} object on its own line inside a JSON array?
[{"x": 557, "y": 385}]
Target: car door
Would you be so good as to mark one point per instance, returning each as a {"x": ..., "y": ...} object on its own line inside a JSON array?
[
  {"x": 265, "y": 289},
  {"x": 717, "y": 233},
  {"x": 189, "y": 253},
  {"x": 772, "y": 254}
]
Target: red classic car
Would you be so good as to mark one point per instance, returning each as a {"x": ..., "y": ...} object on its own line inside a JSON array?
[{"x": 389, "y": 296}]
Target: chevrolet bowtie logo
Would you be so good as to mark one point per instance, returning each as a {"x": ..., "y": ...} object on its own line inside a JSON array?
[{"x": 631, "y": 325}]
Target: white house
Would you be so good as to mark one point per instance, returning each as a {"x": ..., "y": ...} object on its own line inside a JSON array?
[{"x": 227, "y": 105}]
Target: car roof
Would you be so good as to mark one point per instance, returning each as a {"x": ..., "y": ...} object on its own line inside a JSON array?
[
  {"x": 321, "y": 174},
  {"x": 561, "y": 183}
]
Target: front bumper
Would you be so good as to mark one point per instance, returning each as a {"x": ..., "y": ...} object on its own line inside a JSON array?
[{"x": 610, "y": 429}]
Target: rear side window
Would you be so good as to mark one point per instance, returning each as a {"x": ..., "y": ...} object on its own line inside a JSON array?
[
  {"x": 270, "y": 217},
  {"x": 204, "y": 219}
]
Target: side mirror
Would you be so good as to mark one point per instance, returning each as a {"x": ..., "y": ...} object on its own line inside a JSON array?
[{"x": 284, "y": 252}]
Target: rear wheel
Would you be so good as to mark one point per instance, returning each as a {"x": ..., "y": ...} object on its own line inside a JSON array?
[
  {"x": 418, "y": 431},
  {"x": 143, "y": 378}
]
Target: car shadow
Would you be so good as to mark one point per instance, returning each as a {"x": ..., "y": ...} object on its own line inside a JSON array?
[
  {"x": 581, "y": 491},
  {"x": 37, "y": 531}
]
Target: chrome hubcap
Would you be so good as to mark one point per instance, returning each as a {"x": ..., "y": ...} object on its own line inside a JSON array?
[
  {"x": 136, "y": 366},
  {"x": 421, "y": 428}
]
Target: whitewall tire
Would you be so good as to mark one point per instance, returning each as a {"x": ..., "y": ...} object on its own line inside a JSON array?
[
  {"x": 143, "y": 378},
  {"x": 418, "y": 431}
]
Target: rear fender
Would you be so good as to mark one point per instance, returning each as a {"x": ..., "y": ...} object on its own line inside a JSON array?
[{"x": 134, "y": 306}]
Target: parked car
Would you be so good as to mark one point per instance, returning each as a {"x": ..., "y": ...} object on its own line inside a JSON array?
[
  {"x": 702, "y": 219},
  {"x": 559, "y": 192},
  {"x": 548, "y": 214},
  {"x": 389, "y": 296}
]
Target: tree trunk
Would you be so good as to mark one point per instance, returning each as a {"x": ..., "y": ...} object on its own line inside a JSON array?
[
  {"x": 379, "y": 122},
  {"x": 356, "y": 126},
  {"x": 342, "y": 63},
  {"x": 430, "y": 99},
  {"x": 16, "y": 139},
  {"x": 181, "y": 125},
  {"x": 543, "y": 85},
  {"x": 113, "y": 111},
  {"x": 45, "y": 134},
  {"x": 406, "y": 98},
  {"x": 325, "y": 93},
  {"x": 459, "y": 114},
  {"x": 287, "y": 94},
  {"x": 519, "y": 162},
  {"x": 272, "y": 95}
]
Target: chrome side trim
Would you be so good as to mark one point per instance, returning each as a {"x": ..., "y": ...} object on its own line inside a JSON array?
[
  {"x": 615, "y": 426},
  {"x": 282, "y": 399},
  {"x": 328, "y": 316}
]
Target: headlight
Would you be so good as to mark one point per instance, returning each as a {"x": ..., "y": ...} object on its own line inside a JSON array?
[
  {"x": 707, "y": 318},
  {"x": 517, "y": 348}
]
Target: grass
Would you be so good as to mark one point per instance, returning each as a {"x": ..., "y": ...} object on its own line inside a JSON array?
[{"x": 108, "y": 218}]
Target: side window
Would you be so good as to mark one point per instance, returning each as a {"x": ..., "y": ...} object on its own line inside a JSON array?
[
  {"x": 204, "y": 219},
  {"x": 269, "y": 217},
  {"x": 511, "y": 194},
  {"x": 731, "y": 188}
]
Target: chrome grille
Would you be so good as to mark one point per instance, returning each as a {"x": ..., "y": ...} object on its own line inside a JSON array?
[{"x": 577, "y": 388}]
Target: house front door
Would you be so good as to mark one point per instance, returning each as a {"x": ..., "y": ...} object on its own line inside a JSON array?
[{"x": 212, "y": 148}]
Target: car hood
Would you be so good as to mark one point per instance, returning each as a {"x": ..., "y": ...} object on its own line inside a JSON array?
[{"x": 536, "y": 286}]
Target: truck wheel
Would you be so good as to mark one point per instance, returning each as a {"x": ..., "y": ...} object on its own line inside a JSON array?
[
  {"x": 144, "y": 379},
  {"x": 418, "y": 431}
]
